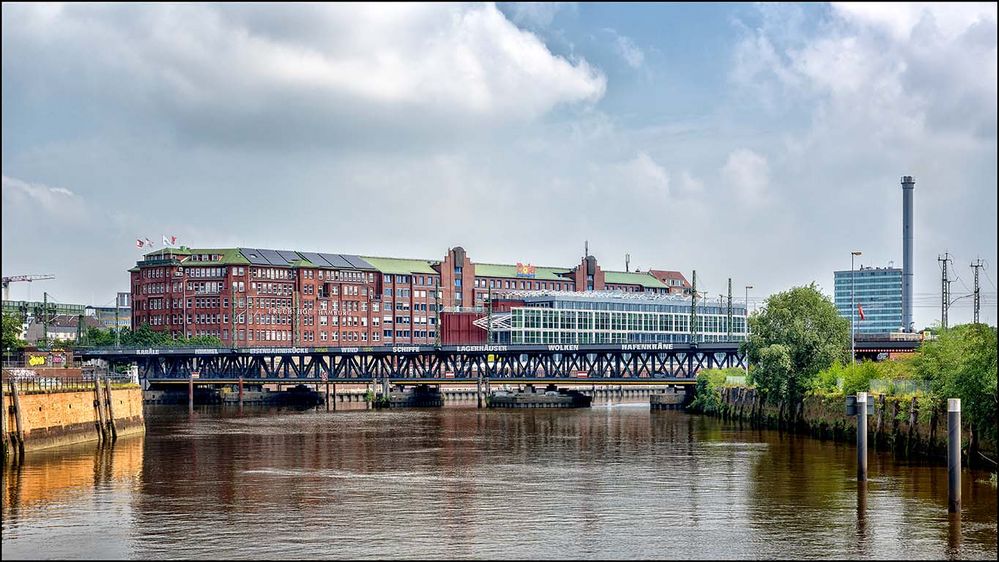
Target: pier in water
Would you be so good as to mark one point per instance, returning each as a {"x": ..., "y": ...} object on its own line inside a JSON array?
[{"x": 612, "y": 481}]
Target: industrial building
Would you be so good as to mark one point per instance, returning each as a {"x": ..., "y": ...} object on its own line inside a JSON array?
[
  {"x": 878, "y": 293},
  {"x": 552, "y": 317},
  {"x": 879, "y": 300},
  {"x": 261, "y": 297}
]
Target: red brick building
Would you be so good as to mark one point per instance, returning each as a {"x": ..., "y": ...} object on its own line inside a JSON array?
[{"x": 255, "y": 297}]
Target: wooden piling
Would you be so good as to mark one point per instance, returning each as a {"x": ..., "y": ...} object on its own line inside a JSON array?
[
  {"x": 3, "y": 423},
  {"x": 109, "y": 403},
  {"x": 190, "y": 394},
  {"x": 18, "y": 423},
  {"x": 240, "y": 392},
  {"x": 98, "y": 400}
]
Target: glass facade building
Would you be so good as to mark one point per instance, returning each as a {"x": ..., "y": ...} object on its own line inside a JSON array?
[
  {"x": 599, "y": 317},
  {"x": 878, "y": 291}
]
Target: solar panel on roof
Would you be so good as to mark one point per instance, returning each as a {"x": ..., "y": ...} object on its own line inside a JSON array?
[
  {"x": 315, "y": 258},
  {"x": 273, "y": 257},
  {"x": 357, "y": 262},
  {"x": 288, "y": 255},
  {"x": 337, "y": 261},
  {"x": 254, "y": 256}
]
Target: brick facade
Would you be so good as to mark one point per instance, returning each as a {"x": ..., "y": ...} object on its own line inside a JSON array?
[{"x": 248, "y": 297}]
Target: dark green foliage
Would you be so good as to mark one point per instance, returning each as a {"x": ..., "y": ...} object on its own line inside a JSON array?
[
  {"x": 961, "y": 363},
  {"x": 11, "y": 331},
  {"x": 792, "y": 338}
]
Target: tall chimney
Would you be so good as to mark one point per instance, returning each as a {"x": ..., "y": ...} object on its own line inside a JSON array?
[{"x": 908, "y": 185}]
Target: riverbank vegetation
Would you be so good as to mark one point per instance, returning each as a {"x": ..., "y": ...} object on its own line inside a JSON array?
[{"x": 799, "y": 346}]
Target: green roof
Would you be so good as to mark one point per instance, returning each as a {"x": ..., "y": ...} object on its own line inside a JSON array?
[
  {"x": 396, "y": 266},
  {"x": 510, "y": 271},
  {"x": 302, "y": 262},
  {"x": 644, "y": 279},
  {"x": 230, "y": 256}
]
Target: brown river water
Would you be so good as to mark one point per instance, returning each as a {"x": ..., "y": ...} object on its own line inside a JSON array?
[{"x": 613, "y": 481}]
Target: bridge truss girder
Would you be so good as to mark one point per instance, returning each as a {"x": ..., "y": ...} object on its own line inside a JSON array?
[{"x": 363, "y": 366}]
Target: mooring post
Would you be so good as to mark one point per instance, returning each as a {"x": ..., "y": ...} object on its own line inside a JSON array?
[
  {"x": 3, "y": 421},
  {"x": 18, "y": 423},
  {"x": 240, "y": 392},
  {"x": 190, "y": 394},
  {"x": 954, "y": 455},
  {"x": 478, "y": 391},
  {"x": 861, "y": 436},
  {"x": 98, "y": 403},
  {"x": 327, "y": 395},
  {"x": 109, "y": 408},
  {"x": 334, "y": 396}
]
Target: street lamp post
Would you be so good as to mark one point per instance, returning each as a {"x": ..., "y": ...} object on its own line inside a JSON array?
[
  {"x": 748, "y": 287},
  {"x": 853, "y": 308}
]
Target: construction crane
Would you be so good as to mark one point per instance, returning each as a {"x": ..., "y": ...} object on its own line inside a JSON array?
[{"x": 15, "y": 278}]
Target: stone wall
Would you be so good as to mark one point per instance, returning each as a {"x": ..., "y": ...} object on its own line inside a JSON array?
[
  {"x": 62, "y": 418},
  {"x": 899, "y": 424}
]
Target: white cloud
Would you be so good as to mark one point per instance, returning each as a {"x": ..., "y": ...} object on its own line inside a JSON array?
[
  {"x": 537, "y": 14},
  {"x": 748, "y": 173},
  {"x": 331, "y": 67},
  {"x": 950, "y": 19},
  {"x": 41, "y": 202},
  {"x": 645, "y": 175},
  {"x": 690, "y": 184},
  {"x": 629, "y": 51}
]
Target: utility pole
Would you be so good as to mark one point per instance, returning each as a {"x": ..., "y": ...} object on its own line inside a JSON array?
[
  {"x": 729, "y": 309},
  {"x": 853, "y": 307},
  {"x": 944, "y": 290},
  {"x": 45, "y": 317},
  {"x": 978, "y": 301},
  {"x": 627, "y": 262},
  {"x": 437, "y": 313},
  {"x": 693, "y": 309}
]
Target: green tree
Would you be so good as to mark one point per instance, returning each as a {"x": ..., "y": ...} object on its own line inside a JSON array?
[
  {"x": 12, "y": 331},
  {"x": 796, "y": 334},
  {"x": 961, "y": 363}
]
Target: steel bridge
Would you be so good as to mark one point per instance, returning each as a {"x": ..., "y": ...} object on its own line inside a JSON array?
[{"x": 589, "y": 364}]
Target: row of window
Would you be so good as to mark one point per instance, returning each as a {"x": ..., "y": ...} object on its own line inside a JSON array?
[
  {"x": 554, "y": 319},
  {"x": 401, "y": 334},
  {"x": 421, "y": 280}
]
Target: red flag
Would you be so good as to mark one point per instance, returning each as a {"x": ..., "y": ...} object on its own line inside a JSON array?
[
  {"x": 860, "y": 309},
  {"x": 139, "y": 243}
]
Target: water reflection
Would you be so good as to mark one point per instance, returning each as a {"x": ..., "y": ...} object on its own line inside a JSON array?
[{"x": 615, "y": 481}]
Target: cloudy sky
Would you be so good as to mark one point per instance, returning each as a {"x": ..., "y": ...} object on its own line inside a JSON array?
[{"x": 757, "y": 142}]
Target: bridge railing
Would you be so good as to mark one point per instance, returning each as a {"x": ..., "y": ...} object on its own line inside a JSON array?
[{"x": 42, "y": 385}]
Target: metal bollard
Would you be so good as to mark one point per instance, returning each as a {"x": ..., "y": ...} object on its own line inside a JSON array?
[
  {"x": 954, "y": 455},
  {"x": 861, "y": 436}
]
